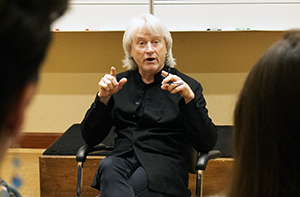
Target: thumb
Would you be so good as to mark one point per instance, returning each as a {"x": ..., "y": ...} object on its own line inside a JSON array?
[{"x": 122, "y": 82}]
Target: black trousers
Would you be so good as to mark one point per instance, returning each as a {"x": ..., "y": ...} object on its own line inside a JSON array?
[{"x": 123, "y": 177}]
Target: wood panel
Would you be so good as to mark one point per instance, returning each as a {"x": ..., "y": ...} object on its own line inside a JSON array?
[
  {"x": 195, "y": 52},
  {"x": 58, "y": 176},
  {"x": 37, "y": 140}
]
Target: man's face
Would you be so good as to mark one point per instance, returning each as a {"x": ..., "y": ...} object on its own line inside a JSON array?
[{"x": 149, "y": 52}]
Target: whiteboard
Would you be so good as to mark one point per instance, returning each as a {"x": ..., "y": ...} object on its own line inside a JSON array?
[
  {"x": 183, "y": 15},
  {"x": 178, "y": 1},
  {"x": 230, "y": 17},
  {"x": 223, "y": 1},
  {"x": 98, "y": 17},
  {"x": 109, "y": 2}
]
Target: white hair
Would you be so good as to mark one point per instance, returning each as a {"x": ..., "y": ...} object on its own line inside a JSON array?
[{"x": 155, "y": 28}]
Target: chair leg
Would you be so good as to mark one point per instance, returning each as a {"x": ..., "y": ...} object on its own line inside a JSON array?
[
  {"x": 199, "y": 182},
  {"x": 79, "y": 179}
]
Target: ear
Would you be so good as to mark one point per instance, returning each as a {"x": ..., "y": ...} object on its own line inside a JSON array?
[{"x": 16, "y": 116}]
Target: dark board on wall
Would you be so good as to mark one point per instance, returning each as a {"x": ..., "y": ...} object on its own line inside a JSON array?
[{"x": 71, "y": 141}]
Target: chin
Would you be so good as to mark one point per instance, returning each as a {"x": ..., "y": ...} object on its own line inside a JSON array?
[{"x": 153, "y": 66}]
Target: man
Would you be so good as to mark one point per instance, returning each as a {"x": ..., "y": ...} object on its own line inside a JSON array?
[
  {"x": 24, "y": 38},
  {"x": 157, "y": 112}
]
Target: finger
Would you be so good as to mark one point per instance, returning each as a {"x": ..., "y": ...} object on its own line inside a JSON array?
[
  {"x": 110, "y": 79},
  {"x": 164, "y": 73},
  {"x": 110, "y": 82},
  {"x": 122, "y": 82},
  {"x": 167, "y": 77},
  {"x": 175, "y": 88},
  {"x": 103, "y": 85},
  {"x": 164, "y": 86},
  {"x": 113, "y": 71}
]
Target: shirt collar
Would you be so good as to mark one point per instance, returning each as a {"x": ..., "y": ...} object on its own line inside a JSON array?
[{"x": 157, "y": 77}]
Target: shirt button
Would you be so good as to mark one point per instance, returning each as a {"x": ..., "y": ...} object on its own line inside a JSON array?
[
  {"x": 137, "y": 103},
  {"x": 197, "y": 105}
]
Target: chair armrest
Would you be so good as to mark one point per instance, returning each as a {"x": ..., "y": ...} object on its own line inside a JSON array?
[
  {"x": 86, "y": 149},
  {"x": 205, "y": 157}
]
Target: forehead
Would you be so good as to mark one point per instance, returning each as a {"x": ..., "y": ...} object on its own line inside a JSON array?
[{"x": 144, "y": 33}]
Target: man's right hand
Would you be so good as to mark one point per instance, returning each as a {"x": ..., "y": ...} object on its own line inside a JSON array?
[{"x": 108, "y": 86}]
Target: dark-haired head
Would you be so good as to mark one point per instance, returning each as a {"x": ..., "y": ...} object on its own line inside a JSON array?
[
  {"x": 24, "y": 38},
  {"x": 267, "y": 124}
]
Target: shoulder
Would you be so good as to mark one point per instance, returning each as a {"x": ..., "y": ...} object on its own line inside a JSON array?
[{"x": 7, "y": 191}]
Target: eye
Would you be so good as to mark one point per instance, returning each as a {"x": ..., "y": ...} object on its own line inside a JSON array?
[{"x": 141, "y": 43}]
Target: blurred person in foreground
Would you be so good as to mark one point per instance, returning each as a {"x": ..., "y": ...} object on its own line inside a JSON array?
[
  {"x": 157, "y": 113},
  {"x": 24, "y": 38},
  {"x": 267, "y": 125}
]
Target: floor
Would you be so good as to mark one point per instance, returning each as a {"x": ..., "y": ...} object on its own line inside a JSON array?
[{"x": 29, "y": 170}]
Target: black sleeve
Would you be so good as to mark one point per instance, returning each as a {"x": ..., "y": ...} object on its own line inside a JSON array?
[
  {"x": 96, "y": 123},
  {"x": 200, "y": 128}
]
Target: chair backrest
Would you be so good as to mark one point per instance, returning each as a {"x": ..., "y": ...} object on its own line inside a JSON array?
[
  {"x": 224, "y": 145},
  {"x": 192, "y": 157}
]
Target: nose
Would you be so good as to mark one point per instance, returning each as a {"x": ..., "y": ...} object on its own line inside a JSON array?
[{"x": 149, "y": 48}]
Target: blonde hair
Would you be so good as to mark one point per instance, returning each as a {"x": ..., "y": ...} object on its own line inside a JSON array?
[{"x": 156, "y": 28}]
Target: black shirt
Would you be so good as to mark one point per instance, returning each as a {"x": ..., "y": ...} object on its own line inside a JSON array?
[{"x": 156, "y": 125}]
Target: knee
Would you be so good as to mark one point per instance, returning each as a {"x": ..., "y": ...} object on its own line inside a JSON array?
[
  {"x": 111, "y": 168},
  {"x": 108, "y": 162}
]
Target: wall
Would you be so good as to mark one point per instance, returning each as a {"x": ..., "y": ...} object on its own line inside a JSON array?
[{"x": 77, "y": 61}]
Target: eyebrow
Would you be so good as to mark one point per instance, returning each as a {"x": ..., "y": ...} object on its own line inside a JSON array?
[{"x": 140, "y": 37}]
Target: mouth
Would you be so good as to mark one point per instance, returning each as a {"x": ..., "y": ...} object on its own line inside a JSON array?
[{"x": 150, "y": 59}]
